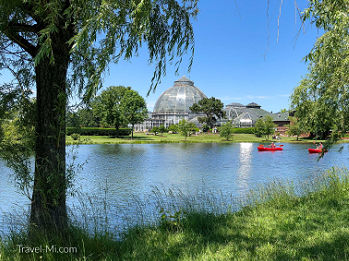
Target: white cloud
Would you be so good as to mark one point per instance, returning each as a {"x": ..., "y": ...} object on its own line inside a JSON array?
[
  {"x": 258, "y": 97},
  {"x": 230, "y": 98}
]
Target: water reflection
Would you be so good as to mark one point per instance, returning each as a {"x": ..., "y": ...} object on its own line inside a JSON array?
[{"x": 244, "y": 170}]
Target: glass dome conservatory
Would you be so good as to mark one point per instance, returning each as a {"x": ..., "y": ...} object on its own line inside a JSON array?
[{"x": 173, "y": 104}]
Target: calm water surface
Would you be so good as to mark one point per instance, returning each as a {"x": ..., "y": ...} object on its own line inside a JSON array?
[{"x": 131, "y": 172}]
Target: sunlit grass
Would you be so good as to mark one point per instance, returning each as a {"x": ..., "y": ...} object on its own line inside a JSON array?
[
  {"x": 308, "y": 221},
  {"x": 141, "y": 138}
]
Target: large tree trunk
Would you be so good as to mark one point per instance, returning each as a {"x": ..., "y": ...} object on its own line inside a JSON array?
[{"x": 48, "y": 207}]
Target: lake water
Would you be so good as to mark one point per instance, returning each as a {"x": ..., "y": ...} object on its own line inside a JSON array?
[{"x": 126, "y": 176}]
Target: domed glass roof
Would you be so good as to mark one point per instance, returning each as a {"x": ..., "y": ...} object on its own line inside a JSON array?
[{"x": 179, "y": 98}]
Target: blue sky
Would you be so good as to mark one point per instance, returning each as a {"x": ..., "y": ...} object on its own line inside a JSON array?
[{"x": 237, "y": 56}]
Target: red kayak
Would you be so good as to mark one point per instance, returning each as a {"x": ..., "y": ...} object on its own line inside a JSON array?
[
  {"x": 315, "y": 150},
  {"x": 262, "y": 148}
]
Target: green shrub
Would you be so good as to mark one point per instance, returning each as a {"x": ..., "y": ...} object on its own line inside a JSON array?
[
  {"x": 124, "y": 132},
  {"x": 162, "y": 129},
  {"x": 194, "y": 129},
  {"x": 205, "y": 128},
  {"x": 264, "y": 127},
  {"x": 92, "y": 131},
  {"x": 259, "y": 128},
  {"x": 244, "y": 130},
  {"x": 226, "y": 130},
  {"x": 173, "y": 128},
  {"x": 75, "y": 136},
  {"x": 155, "y": 130},
  {"x": 186, "y": 128},
  {"x": 71, "y": 130}
]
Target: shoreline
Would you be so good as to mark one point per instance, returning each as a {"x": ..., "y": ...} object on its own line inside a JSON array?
[
  {"x": 276, "y": 223},
  {"x": 141, "y": 138}
]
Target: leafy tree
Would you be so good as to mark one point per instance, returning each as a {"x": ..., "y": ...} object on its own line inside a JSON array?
[
  {"x": 226, "y": 130},
  {"x": 17, "y": 136},
  {"x": 155, "y": 130},
  {"x": 53, "y": 45},
  {"x": 259, "y": 128},
  {"x": 107, "y": 106},
  {"x": 186, "y": 128},
  {"x": 82, "y": 117},
  {"x": 325, "y": 90},
  {"x": 211, "y": 107},
  {"x": 310, "y": 111},
  {"x": 162, "y": 128},
  {"x": 264, "y": 127},
  {"x": 87, "y": 118},
  {"x": 134, "y": 108},
  {"x": 269, "y": 127},
  {"x": 73, "y": 120},
  {"x": 173, "y": 128},
  {"x": 295, "y": 128}
]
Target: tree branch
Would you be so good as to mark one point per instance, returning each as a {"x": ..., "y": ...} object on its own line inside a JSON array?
[
  {"x": 18, "y": 27},
  {"x": 21, "y": 41}
]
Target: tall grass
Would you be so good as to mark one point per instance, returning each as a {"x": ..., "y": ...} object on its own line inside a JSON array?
[{"x": 279, "y": 221}]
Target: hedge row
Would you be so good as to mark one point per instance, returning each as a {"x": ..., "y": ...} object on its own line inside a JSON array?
[
  {"x": 244, "y": 130},
  {"x": 92, "y": 131}
]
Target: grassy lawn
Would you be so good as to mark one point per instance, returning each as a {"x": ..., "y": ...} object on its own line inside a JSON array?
[
  {"x": 140, "y": 138},
  {"x": 276, "y": 225},
  {"x": 285, "y": 227},
  {"x": 164, "y": 138}
]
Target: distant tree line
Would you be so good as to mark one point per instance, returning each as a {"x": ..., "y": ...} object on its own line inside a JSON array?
[{"x": 116, "y": 107}]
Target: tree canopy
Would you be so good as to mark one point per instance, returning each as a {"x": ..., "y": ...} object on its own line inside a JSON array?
[
  {"x": 321, "y": 101},
  {"x": 82, "y": 117},
  {"x": 295, "y": 128},
  {"x": 211, "y": 107},
  {"x": 58, "y": 46},
  {"x": 134, "y": 108},
  {"x": 186, "y": 128},
  {"x": 226, "y": 130},
  {"x": 97, "y": 33},
  {"x": 107, "y": 106},
  {"x": 264, "y": 127}
]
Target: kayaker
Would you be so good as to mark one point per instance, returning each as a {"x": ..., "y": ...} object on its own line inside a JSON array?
[
  {"x": 272, "y": 145},
  {"x": 320, "y": 146}
]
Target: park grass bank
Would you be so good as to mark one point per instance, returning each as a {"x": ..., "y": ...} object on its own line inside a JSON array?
[
  {"x": 141, "y": 138},
  {"x": 276, "y": 223}
]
